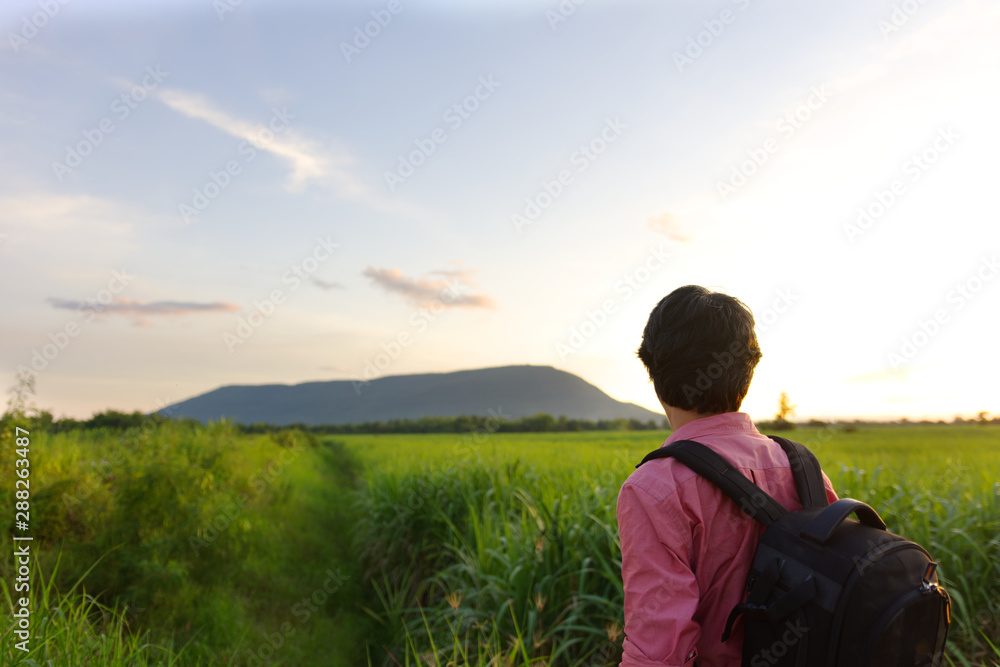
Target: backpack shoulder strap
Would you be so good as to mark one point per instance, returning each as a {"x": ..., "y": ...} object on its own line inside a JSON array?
[
  {"x": 807, "y": 472},
  {"x": 713, "y": 467}
]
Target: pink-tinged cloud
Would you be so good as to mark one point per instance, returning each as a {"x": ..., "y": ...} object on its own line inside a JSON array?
[
  {"x": 449, "y": 292},
  {"x": 666, "y": 223},
  {"x": 140, "y": 310}
]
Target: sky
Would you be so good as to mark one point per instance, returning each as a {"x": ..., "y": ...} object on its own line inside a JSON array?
[{"x": 197, "y": 193}]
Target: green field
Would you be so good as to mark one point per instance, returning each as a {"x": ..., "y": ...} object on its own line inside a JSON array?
[
  {"x": 181, "y": 544},
  {"x": 506, "y": 521}
]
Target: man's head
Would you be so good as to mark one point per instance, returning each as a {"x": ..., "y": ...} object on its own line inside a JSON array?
[{"x": 700, "y": 350}]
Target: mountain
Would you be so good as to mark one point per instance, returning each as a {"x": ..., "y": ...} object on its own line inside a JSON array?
[{"x": 513, "y": 391}]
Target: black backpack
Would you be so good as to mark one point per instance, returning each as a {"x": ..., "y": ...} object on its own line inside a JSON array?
[{"x": 826, "y": 590}]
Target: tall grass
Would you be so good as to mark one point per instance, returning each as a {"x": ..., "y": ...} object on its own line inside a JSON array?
[
  {"x": 72, "y": 628},
  {"x": 197, "y": 537},
  {"x": 505, "y": 551},
  {"x": 499, "y": 557}
]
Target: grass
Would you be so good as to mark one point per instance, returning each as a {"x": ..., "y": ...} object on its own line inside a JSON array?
[
  {"x": 502, "y": 548},
  {"x": 191, "y": 545},
  {"x": 218, "y": 547},
  {"x": 75, "y": 629}
]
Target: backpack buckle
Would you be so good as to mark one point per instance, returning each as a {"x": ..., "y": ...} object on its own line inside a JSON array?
[
  {"x": 737, "y": 611},
  {"x": 926, "y": 586}
]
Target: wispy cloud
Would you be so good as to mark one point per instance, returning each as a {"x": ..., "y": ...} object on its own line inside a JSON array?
[
  {"x": 310, "y": 162},
  {"x": 449, "y": 291},
  {"x": 954, "y": 31},
  {"x": 141, "y": 310},
  {"x": 322, "y": 284}
]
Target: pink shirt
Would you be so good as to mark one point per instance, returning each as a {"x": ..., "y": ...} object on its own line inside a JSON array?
[{"x": 687, "y": 548}]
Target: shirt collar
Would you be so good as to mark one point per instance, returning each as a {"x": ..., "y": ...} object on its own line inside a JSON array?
[{"x": 727, "y": 422}]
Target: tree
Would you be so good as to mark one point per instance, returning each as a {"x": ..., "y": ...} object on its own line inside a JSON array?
[
  {"x": 785, "y": 410},
  {"x": 20, "y": 405},
  {"x": 982, "y": 418},
  {"x": 116, "y": 420}
]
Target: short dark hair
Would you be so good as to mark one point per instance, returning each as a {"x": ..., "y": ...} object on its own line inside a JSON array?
[{"x": 700, "y": 350}]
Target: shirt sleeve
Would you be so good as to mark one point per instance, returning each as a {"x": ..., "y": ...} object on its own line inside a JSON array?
[
  {"x": 661, "y": 591},
  {"x": 831, "y": 495}
]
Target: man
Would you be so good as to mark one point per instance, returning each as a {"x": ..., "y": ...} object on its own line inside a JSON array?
[{"x": 687, "y": 548}]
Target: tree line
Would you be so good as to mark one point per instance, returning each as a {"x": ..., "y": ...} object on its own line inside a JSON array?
[
  {"x": 116, "y": 420},
  {"x": 539, "y": 423}
]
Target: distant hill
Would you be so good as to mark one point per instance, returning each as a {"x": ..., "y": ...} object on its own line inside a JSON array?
[{"x": 519, "y": 391}]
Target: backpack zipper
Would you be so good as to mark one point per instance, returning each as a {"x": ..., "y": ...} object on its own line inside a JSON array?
[{"x": 923, "y": 590}]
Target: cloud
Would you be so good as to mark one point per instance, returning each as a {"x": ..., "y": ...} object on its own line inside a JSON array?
[
  {"x": 140, "y": 310},
  {"x": 449, "y": 292},
  {"x": 322, "y": 284},
  {"x": 666, "y": 223},
  {"x": 310, "y": 162}
]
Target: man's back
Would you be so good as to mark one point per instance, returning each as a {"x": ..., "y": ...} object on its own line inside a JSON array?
[{"x": 686, "y": 548}]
